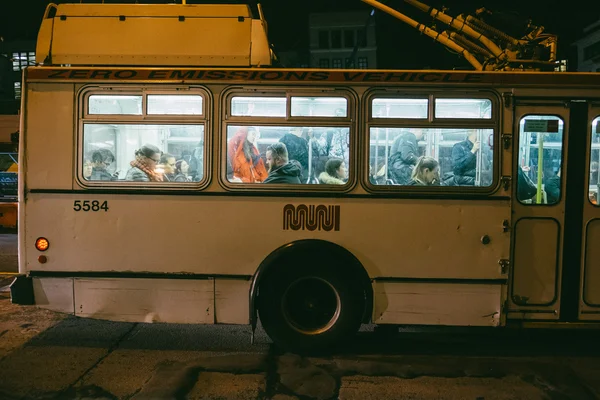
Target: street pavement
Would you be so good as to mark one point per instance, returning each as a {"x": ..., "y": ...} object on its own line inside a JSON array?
[
  {"x": 8, "y": 252},
  {"x": 46, "y": 355}
]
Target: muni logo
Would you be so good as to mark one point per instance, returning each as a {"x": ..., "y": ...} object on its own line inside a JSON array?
[{"x": 303, "y": 217}]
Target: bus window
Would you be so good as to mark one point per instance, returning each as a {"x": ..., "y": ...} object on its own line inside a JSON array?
[
  {"x": 594, "y": 187},
  {"x": 463, "y": 108},
  {"x": 400, "y": 108},
  {"x": 540, "y": 158},
  {"x": 174, "y": 104},
  {"x": 258, "y": 106},
  {"x": 431, "y": 156},
  {"x": 319, "y": 107},
  {"x": 308, "y": 147},
  {"x": 117, "y": 151},
  {"x": 114, "y": 105}
]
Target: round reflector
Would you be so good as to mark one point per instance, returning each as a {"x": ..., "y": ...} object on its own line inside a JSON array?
[{"x": 42, "y": 244}]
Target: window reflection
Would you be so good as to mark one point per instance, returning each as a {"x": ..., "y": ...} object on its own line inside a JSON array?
[
  {"x": 308, "y": 151},
  {"x": 594, "y": 186},
  {"x": 540, "y": 159},
  {"x": 431, "y": 156}
]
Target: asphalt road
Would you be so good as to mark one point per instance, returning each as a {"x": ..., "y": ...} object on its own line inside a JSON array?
[{"x": 48, "y": 355}]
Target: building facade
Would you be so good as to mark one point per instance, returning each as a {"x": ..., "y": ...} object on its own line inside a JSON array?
[
  {"x": 588, "y": 49},
  {"x": 14, "y": 57},
  {"x": 342, "y": 40}
]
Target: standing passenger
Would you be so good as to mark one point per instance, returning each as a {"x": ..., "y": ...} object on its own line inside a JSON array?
[
  {"x": 143, "y": 168},
  {"x": 281, "y": 170},
  {"x": 246, "y": 163},
  {"x": 297, "y": 148},
  {"x": 403, "y": 157},
  {"x": 464, "y": 160}
]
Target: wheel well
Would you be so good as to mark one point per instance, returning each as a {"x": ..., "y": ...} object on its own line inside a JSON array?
[{"x": 309, "y": 250}]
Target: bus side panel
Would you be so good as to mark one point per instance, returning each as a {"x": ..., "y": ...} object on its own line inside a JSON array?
[
  {"x": 437, "y": 303},
  {"x": 55, "y": 294},
  {"x": 226, "y": 235},
  {"x": 49, "y": 136},
  {"x": 145, "y": 300}
]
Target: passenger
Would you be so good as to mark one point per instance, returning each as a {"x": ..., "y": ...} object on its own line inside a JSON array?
[
  {"x": 167, "y": 163},
  {"x": 143, "y": 168},
  {"x": 281, "y": 170},
  {"x": 181, "y": 171},
  {"x": 246, "y": 162},
  {"x": 403, "y": 157},
  {"x": 101, "y": 159},
  {"x": 87, "y": 170},
  {"x": 297, "y": 148},
  {"x": 426, "y": 172},
  {"x": 552, "y": 188},
  {"x": 335, "y": 172},
  {"x": 464, "y": 160}
]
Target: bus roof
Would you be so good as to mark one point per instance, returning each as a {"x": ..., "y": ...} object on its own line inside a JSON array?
[{"x": 152, "y": 34}]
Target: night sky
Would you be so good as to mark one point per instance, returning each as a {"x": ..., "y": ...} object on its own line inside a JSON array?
[{"x": 399, "y": 46}]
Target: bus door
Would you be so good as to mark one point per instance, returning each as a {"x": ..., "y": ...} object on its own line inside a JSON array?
[
  {"x": 590, "y": 271},
  {"x": 546, "y": 203}
]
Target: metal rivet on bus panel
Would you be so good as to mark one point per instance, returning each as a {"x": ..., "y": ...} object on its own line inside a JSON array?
[
  {"x": 42, "y": 259},
  {"x": 485, "y": 239}
]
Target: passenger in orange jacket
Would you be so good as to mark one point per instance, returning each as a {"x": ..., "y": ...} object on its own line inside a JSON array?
[{"x": 244, "y": 156}]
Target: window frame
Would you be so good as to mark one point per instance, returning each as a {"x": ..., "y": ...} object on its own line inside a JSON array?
[
  {"x": 84, "y": 117},
  {"x": 349, "y": 122},
  {"x": 430, "y": 122}
]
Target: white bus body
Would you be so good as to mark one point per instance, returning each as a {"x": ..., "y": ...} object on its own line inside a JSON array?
[{"x": 217, "y": 249}]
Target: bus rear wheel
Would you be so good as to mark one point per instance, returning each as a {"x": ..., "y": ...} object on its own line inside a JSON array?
[{"x": 310, "y": 310}]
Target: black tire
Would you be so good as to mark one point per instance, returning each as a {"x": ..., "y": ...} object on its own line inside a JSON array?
[{"x": 310, "y": 309}]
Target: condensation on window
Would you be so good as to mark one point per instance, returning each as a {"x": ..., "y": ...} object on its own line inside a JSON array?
[
  {"x": 258, "y": 106},
  {"x": 117, "y": 152},
  {"x": 540, "y": 158},
  {"x": 594, "y": 181},
  {"x": 315, "y": 155},
  {"x": 174, "y": 104},
  {"x": 319, "y": 107},
  {"x": 100, "y": 104},
  {"x": 463, "y": 108},
  {"x": 405, "y": 156},
  {"x": 400, "y": 108}
]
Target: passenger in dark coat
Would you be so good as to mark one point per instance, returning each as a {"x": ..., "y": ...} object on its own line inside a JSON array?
[
  {"x": 101, "y": 159},
  {"x": 552, "y": 188},
  {"x": 403, "y": 157},
  {"x": 464, "y": 160},
  {"x": 281, "y": 170},
  {"x": 297, "y": 148}
]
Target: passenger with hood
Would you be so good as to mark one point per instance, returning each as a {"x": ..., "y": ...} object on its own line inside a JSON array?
[
  {"x": 281, "y": 170},
  {"x": 335, "y": 172}
]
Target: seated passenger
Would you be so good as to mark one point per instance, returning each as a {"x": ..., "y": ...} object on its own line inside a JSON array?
[
  {"x": 403, "y": 157},
  {"x": 143, "y": 168},
  {"x": 280, "y": 169},
  {"x": 181, "y": 171},
  {"x": 426, "y": 172},
  {"x": 335, "y": 172},
  {"x": 101, "y": 159},
  {"x": 87, "y": 170},
  {"x": 246, "y": 163},
  {"x": 167, "y": 163}
]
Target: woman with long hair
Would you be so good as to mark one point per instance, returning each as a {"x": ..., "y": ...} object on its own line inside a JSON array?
[
  {"x": 245, "y": 159},
  {"x": 426, "y": 172}
]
